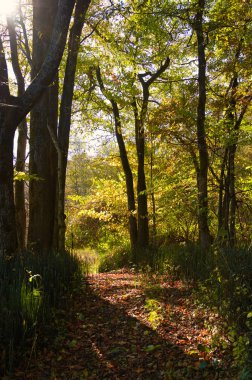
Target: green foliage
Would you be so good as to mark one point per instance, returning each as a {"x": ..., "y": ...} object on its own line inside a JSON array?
[
  {"x": 96, "y": 204},
  {"x": 228, "y": 290},
  {"x": 154, "y": 309},
  {"x": 31, "y": 287},
  {"x": 222, "y": 282},
  {"x": 31, "y": 298},
  {"x": 116, "y": 258},
  {"x": 183, "y": 261},
  {"x": 23, "y": 176}
]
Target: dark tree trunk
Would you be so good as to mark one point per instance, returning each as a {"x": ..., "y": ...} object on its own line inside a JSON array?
[
  {"x": 221, "y": 206},
  {"x": 43, "y": 162},
  {"x": 140, "y": 118},
  {"x": 235, "y": 126},
  {"x": 65, "y": 118},
  {"x": 142, "y": 199},
  {"x": 128, "y": 178},
  {"x": 20, "y": 185},
  {"x": 202, "y": 180},
  {"x": 227, "y": 201},
  {"x": 13, "y": 110},
  {"x": 22, "y": 140},
  {"x": 126, "y": 167},
  {"x": 153, "y": 201},
  {"x": 8, "y": 234},
  {"x": 232, "y": 229}
]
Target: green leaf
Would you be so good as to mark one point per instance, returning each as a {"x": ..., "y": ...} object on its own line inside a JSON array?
[
  {"x": 22, "y": 176},
  {"x": 152, "y": 348}
]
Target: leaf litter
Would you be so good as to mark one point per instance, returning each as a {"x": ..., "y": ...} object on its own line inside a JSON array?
[{"x": 120, "y": 326}]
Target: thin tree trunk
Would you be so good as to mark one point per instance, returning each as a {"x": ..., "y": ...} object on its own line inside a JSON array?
[
  {"x": 232, "y": 221},
  {"x": 140, "y": 119},
  {"x": 153, "y": 202},
  {"x": 235, "y": 124},
  {"x": 22, "y": 140},
  {"x": 202, "y": 180},
  {"x": 65, "y": 118},
  {"x": 221, "y": 206},
  {"x": 20, "y": 185},
  {"x": 229, "y": 199},
  {"x": 142, "y": 199},
  {"x": 126, "y": 167},
  {"x": 128, "y": 178}
]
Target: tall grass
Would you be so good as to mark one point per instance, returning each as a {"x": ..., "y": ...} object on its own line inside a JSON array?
[{"x": 31, "y": 287}]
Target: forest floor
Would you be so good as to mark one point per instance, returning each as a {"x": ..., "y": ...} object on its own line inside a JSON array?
[{"x": 123, "y": 325}]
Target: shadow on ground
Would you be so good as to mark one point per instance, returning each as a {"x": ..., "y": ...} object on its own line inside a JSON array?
[{"x": 102, "y": 342}]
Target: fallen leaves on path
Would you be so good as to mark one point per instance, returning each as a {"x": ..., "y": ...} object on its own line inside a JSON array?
[{"x": 121, "y": 328}]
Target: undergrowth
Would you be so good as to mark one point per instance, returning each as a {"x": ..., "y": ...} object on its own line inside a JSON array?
[
  {"x": 32, "y": 287},
  {"x": 115, "y": 258},
  {"x": 221, "y": 280}
]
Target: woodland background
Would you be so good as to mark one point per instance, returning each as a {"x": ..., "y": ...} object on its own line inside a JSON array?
[{"x": 125, "y": 132}]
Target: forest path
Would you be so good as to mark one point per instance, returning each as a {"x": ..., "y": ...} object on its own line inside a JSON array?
[{"x": 127, "y": 326}]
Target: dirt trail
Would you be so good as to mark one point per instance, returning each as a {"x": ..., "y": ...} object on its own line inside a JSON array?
[{"x": 115, "y": 330}]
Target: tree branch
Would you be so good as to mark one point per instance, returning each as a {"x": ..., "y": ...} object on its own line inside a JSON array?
[
  {"x": 52, "y": 60},
  {"x": 154, "y": 76}
]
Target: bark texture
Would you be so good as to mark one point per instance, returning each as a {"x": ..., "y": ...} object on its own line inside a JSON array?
[
  {"x": 202, "y": 174},
  {"x": 42, "y": 162},
  {"x": 8, "y": 234},
  {"x": 12, "y": 112}
]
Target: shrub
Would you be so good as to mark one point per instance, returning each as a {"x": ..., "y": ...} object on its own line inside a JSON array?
[
  {"x": 183, "y": 261},
  {"x": 115, "y": 259}
]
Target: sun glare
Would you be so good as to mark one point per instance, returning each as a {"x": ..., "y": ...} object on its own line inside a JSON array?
[{"x": 7, "y": 7}]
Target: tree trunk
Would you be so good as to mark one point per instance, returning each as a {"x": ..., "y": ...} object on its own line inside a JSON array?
[
  {"x": 153, "y": 202},
  {"x": 202, "y": 180},
  {"x": 12, "y": 112},
  {"x": 43, "y": 162},
  {"x": 20, "y": 186},
  {"x": 8, "y": 235},
  {"x": 22, "y": 140},
  {"x": 59, "y": 222},
  {"x": 221, "y": 201},
  {"x": 65, "y": 118},
  {"x": 232, "y": 229},
  {"x": 126, "y": 167},
  {"x": 142, "y": 200},
  {"x": 140, "y": 119},
  {"x": 128, "y": 178}
]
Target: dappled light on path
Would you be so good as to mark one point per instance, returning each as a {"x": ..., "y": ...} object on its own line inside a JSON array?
[{"x": 120, "y": 329}]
